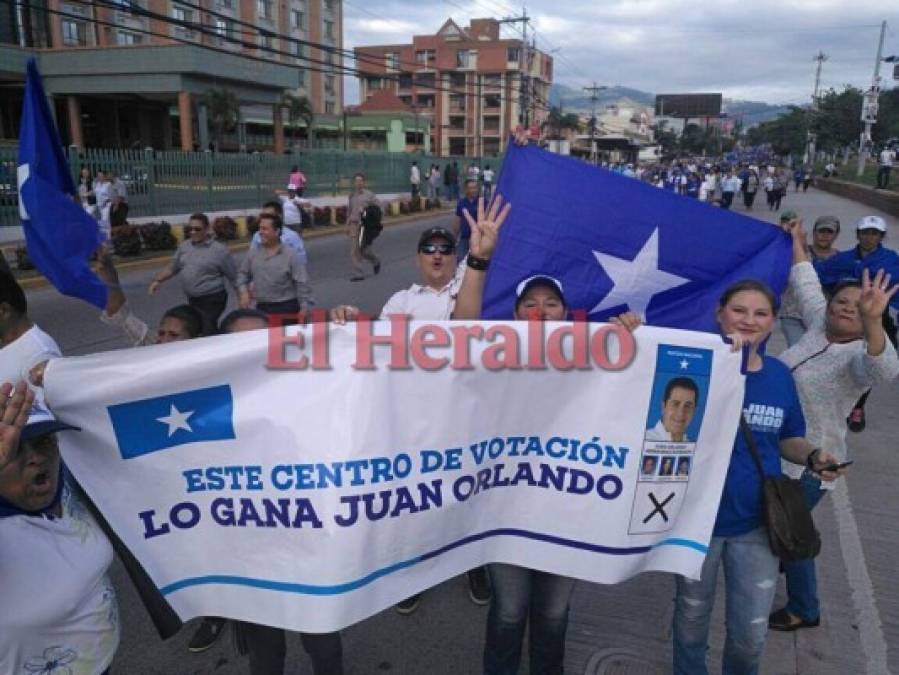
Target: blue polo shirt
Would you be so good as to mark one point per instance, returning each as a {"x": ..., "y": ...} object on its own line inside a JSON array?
[
  {"x": 470, "y": 205},
  {"x": 772, "y": 409},
  {"x": 850, "y": 264}
]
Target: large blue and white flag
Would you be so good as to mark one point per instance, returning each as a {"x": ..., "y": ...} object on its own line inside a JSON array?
[
  {"x": 311, "y": 499},
  {"x": 618, "y": 244},
  {"x": 60, "y": 235}
]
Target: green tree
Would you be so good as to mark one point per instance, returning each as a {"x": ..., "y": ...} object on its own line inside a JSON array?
[
  {"x": 787, "y": 134},
  {"x": 223, "y": 110},
  {"x": 836, "y": 123},
  {"x": 665, "y": 137},
  {"x": 556, "y": 121},
  {"x": 299, "y": 109}
]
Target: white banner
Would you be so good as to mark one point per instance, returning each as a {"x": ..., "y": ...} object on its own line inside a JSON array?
[{"x": 312, "y": 498}]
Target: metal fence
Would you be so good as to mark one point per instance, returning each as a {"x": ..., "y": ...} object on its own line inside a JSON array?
[{"x": 168, "y": 183}]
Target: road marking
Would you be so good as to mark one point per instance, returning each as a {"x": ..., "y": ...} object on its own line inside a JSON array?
[{"x": 870, "y": 627}]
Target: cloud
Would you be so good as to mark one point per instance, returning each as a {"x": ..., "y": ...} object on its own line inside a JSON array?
[{"x": 759, "y": 50}]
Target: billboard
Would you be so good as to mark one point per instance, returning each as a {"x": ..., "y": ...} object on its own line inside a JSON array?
[{"x": 688, "y": 105}]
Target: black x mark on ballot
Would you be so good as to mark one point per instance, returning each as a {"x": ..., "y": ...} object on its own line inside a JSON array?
[{"x": 659, "y": 508}]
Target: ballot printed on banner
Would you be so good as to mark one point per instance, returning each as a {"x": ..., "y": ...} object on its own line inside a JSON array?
[{"x": 673, "y": 423}]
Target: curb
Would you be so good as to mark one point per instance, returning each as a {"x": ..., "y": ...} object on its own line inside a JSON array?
[{"x": 40, "y": 281}]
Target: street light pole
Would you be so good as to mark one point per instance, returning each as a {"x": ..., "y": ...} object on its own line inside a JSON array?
[
  {"x": 820, "y": 57},
  {"x": 594, "y": 97},
  {"x": 872, "y": 95}
]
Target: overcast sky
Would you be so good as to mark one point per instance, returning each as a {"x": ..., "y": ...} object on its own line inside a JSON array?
[{"x": 748, "y": 49}]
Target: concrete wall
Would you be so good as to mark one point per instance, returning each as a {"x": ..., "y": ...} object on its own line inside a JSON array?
[{"x": 884, "y": 200}]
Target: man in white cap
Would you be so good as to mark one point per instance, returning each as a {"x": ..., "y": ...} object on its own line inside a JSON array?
[{"x": 870, "y": 254}]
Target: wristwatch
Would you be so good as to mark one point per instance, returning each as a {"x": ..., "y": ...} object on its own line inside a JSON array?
[{"x": 480, "y": 264}]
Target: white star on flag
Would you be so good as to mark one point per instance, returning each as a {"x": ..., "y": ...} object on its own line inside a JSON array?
[
  {"x": 635, "y": 282},
  {"x": 176, "y": 420},
  {"x": 684, "y": 365}
]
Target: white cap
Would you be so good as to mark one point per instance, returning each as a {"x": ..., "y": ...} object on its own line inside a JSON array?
[
  {"x": 538, "y": 280},
  {"x": 871, "y": 223},
  {"x": 292, "y": 187}
]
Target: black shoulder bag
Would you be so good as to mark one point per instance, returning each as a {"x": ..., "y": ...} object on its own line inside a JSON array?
[{"x": 791, "y": 531}]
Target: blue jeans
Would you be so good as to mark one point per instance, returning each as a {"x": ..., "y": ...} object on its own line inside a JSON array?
[
  {"x": 520, "y": 594},
  {"x": 793, "y": 330},
  {"x": 802, "y": 582},
  {"x": 750, "y": 572}
]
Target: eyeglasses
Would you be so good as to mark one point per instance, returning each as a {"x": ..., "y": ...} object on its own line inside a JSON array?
[
  {"x": 431, "y": 249},
  {"x": 195, "y": 228}
]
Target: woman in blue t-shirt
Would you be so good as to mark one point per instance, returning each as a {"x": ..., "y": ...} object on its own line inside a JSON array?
[{"x": 746, "y": 315}]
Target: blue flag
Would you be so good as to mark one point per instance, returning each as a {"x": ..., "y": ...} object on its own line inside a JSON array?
[
  {"x": 618, "y": 244},
  {"x": 154, "y": 424},
  {"x": 59, "y": 234}
]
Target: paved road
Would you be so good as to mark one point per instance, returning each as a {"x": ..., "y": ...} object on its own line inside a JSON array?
[{"x": 614, "y": 629}]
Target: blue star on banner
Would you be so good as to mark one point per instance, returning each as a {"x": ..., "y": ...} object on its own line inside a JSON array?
[{"x": 618, "y": 244}]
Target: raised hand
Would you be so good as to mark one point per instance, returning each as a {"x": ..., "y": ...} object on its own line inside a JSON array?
[
  {"x": 485, "y": 232},
  {"x": 341, "y": 314},
  {"x": 15, "y": 406},
  {"x": 630, "y": 320},
  {"x": 876, "y": 294}
]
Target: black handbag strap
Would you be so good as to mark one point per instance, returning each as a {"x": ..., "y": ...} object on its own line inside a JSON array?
[{"x": 750, "y": 441}]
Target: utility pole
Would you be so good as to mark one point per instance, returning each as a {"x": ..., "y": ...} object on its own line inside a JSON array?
[
  {"x": 820, "y": 57},
  {"x": 523, "y": 65},
  {"x": 869, "y": 104},
  {"x": 594, "y": 97}
]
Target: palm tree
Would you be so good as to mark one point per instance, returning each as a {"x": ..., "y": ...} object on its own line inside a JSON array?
[
  {"x": 299, "y": 109},
  {"x": 223, "y": 109}
]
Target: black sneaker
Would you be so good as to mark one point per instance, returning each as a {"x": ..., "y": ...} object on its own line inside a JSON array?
[
  {"x": 479, "y": 586},
  {"x": 209, "y": 631},
  {"x": 785, "y": 622},
  {"x": 856, "y": 420},
  {"x": 357, "y": 277},
  {"x": 408, "y": 605}
]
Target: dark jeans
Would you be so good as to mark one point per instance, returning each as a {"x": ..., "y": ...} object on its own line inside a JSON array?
[
  {"x": 727, "y": 198},
  {"x": 520, "y": 594},
  {"x": 283, "y": 307},
  {"x": 748, "y": 199},
  {"x": 802, "y": 581},
  {"x": 118, "y": 215},
  {"x": 267, "y": 648},
  {"x": 210, "y": 307},
  {"x": 883, "y": 176}
]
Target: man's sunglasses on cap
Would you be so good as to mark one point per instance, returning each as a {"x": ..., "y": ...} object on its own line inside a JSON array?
[{"x": 431, "y": 249}]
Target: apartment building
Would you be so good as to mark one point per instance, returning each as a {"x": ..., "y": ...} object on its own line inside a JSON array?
[
  {"x": 133, "y": 73},
  {"x": 472, "y": 85}
]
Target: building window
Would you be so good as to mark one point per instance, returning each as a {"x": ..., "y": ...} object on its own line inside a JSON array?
[
  {"x": 329, "y": 6},
  {"x": 264, "y": 9},
  {"x": 463, "y": 58},
  {"x": 405, "y": 80},
  {"x": 393, "y": 61},
  {"x": 406, "y": 99},
  {"x": 329, "y": 29},
  {"x": 330, "y": 108},
  {"x": 513, "y": 54},
  {"x": 265, "y": 41},
  {"x": 425, "y": 80},
  {"x": 226, "y": 4},
  {"x": 425, "y": 57},
  {"x": 297, "y": 49},
  {"x": 425, "y": 101},
  {"x": 491, "y": 124},
  {"x": 457, "y": 123},
  {"x": 457, "y": 102},
  {"x": 491, "y": 146},
  {"x": 329, "y": 84},
  {"x": 74, "y": 33},
  {"x": 457, "y": 79},
  {"x": 223, "y": 28},
  {"x": 124, "y": 37},
  {"x": 492, "y": 101},
  {"x": 375, "y": 83},
  {"x": 493, "y": 80},
  {"x": 125, "y": 5},
  {"x": 297, "y": 19},
  {"x": 302, "y": 80}
]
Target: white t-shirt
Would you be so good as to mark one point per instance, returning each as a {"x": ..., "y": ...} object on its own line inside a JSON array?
[
  {"x": 58, "y": 603},
  {"x": 415, "y": 176},
  {"x": 887, "y": 157},
  {"x": 488, "y": 175},
  {"x": 660, "y": 433},
  {"x": 20, "y": 356},
  {"x": 291, "y": 208},
  {"x": 423, "y": 302}
]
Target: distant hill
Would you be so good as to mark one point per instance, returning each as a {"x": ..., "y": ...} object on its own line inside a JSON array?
[{"x": 574, "y": 100}]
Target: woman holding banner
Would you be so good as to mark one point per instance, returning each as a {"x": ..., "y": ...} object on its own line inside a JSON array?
[
  {"x": 62, "y": 612},
  {"x": 844, "y": 352},
  {"x": 746, "y": 314}
]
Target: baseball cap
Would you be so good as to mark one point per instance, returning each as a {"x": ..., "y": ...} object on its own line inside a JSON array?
[
  {"x": 789, "y": 214},
  {"x": 436, "y": 233},
  {"x": 42, "y": 422},
  {"x": 827, "y": 223},
  {"x": 292, "y": 186},
  {"x": 871, "y": 223},
  {"x": 538, "y": 280}
]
